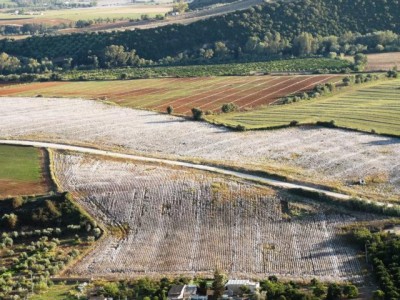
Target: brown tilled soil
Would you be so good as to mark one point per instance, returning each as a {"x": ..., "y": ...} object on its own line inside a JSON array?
[{"x": 20, "y": 88}]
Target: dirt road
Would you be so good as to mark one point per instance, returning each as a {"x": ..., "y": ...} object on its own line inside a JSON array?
[{"x": 259, "y": 179}]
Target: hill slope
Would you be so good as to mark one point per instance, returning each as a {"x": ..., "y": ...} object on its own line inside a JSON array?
[{"x": 322, "y": 17}]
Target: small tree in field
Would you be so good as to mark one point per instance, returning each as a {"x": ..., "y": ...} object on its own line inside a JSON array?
[
  {"x": 218, "y": 284},
  {"x": 17, "y": 202},
  {"x": 228, "y": 107},
  {"x": 170, "y": 110},
  {"x": 197, "y": 113}
]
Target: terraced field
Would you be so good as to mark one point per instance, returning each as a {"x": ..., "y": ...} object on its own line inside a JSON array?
[
  {"x": 21, "y": 171},
  {"x": 181, "y": 93},
  {"x": 375, "y": 107},
  {"x": 178, "y": 221}
]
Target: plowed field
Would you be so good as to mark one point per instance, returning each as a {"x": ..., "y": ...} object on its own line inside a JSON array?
[{"x": 182, "y": 94}]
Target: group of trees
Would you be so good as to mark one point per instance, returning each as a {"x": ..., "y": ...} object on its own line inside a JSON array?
[
  {"x": 30, "y": 252},
  {"x": 383, "y": 252},
  {"x": 113, "y": 56},
  {"x": 276, "y": 290}
]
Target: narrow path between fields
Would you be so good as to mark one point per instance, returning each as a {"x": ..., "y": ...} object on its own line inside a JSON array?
[{"x": 259, "y": 179}]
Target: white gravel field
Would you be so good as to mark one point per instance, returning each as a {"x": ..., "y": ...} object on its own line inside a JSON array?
[
  {"x": 321, "y": 154},
  {"x": 189, "y": 222}
]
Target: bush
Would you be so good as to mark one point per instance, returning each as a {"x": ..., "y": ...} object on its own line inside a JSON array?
[
  {"x": 240, "y": 128},
  {"x": 229, "y": 107},
  {"x": 170, "y": 110},
  {"x": 17, "y": 202},
  {"x": 350, "y": 291},
  {"x": 197, "y": 114},
  {"x": 294, "y": 123},
  {"x": 392, "y": 73}
]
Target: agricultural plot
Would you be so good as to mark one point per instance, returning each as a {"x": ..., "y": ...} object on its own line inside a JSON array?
[
  {"x": 178, "y": 221},
  {"x": 321, "y": 155},
  {"x": 21, "y": 171},
  {"x": 375, "y": 107},
  {"x": 68, "y": 15},
  {"x": 381, "y": 61},
  {"x": 182, "y": 94}
]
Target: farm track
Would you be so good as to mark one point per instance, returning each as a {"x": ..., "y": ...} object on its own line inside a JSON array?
[{"x": 254, "y": 178}]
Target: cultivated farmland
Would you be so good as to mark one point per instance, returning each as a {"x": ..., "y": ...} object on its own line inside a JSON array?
[
  {"x": 21, "y": 171},
  {"x": 183, "y": 222},
  {"x": 181, "y": 93},
  {"x": 374, "y": 107},
  {"x": 381, "y": 61},
  {"x": 306, "y": 153},
  {"x": 68, "y": 15}
]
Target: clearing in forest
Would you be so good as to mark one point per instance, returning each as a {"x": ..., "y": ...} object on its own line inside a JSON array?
[
  {"x": 373, "y": 107},
  {"x": 21, "y": 171},
  {"x": 179, "y": 221},
  {"x": 207, "y": 93}
]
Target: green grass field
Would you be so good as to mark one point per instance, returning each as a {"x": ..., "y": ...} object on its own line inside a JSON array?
[
  {"x": 56, "y": 292},
  {"x": 20, "y": 171},
  {"x": 375, "y": 106},
  {"x": 20, "y": 163}
]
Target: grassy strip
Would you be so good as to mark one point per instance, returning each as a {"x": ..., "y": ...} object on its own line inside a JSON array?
[
  {"x": 353, "y": 203},
  {"x": 372, "y": 108}
]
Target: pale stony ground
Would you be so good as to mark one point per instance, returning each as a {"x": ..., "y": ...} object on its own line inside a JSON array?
[
  {"x": 318, "y": 154},
  {"x": 189, "y": 222}
]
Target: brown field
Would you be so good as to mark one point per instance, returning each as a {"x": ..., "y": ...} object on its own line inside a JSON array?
[
  {"x": 50, "y": 21},
  {"x": 15, "y": 188},
  {"x": 383, "y": 61},
  {"x": 182, "y": 94}
]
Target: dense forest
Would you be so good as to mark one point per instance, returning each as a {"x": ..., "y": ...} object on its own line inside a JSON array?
[{"x": 279, "y": 22}]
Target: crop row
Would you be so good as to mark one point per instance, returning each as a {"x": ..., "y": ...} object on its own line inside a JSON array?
[{"x": 186, "y": 222}]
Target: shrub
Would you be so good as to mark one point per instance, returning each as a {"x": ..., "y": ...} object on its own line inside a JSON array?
[
  {"x": 240, "y": 128},
  {"x": 170, "y": 109},
  {"x": 229, "y": 107},
  {"x": 197, "y": 114},
  {"x": 350, "y": 291},
  {"x": 294, "y": 123},
  {"x": 17, "y": 202}
]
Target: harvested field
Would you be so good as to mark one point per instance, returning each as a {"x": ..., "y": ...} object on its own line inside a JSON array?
[
  {"x": 382, "y": 61},
  {"x": 329, "y": 156},
  {"x": 185, "y": 222},
  {"x": 372, "y": 107},
  {"x": 181, "y": 93},
  {"x": 21, "y": 171},
  {"x": 68, "y": 15}
]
